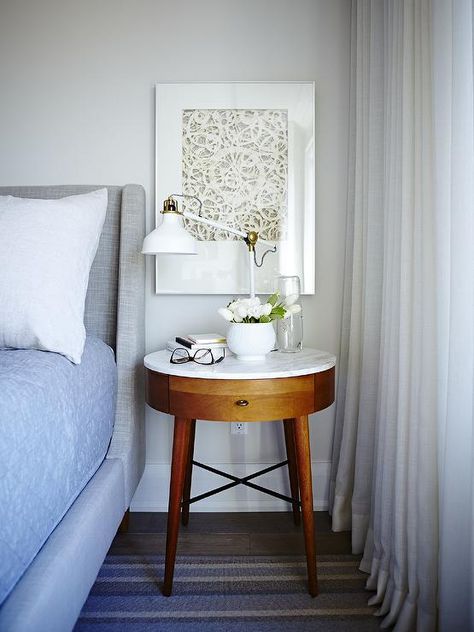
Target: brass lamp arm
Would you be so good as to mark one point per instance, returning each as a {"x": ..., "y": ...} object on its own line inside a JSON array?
[
  {"x": 250, "y": 237},
  {"x": 210, "y": 222}
]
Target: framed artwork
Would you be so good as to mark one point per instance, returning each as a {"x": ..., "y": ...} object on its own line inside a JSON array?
[{"x": 246, "y": 150}]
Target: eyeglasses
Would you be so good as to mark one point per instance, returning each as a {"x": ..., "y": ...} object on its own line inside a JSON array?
[{"x": 201, "y": 356}]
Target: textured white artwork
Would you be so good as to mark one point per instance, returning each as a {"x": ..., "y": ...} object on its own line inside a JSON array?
[{"x": 236, "y": 163}]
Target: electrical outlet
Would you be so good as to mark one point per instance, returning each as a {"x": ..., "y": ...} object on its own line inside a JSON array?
[{"x": 238, "y": 428}]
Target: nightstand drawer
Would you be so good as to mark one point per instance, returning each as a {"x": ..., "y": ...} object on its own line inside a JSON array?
[{"x": 241, "y": 400}]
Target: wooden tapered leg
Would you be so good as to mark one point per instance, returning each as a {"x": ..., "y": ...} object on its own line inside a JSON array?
[
  {"x": 189, "y": 476},
  {"x": 288, "y": 426},
  {"x": 303, "y": 459},
  {"x": 182, "y": 431}
]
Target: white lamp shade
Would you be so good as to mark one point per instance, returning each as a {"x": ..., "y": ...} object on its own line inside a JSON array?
[{"x": 170, "y": 237}]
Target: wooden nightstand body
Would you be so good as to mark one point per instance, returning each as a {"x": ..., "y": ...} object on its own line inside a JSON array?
[{"x": 284, "y": 389}]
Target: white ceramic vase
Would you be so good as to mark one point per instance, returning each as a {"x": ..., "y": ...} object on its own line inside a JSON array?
[{"x": 251, "y": 341}]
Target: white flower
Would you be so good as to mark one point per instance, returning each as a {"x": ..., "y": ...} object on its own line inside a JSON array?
[
  {"x": 255, "y": 312},
  {"x": 290, "y": 299},
  {"x": 292, "y": 309},
  {"x": 241, "y": 311},
  {"x": 244, "y": 309},
  {"x": 225, "y": 313}
]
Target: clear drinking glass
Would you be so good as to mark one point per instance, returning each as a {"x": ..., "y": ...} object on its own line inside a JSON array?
[{"x": 289, "y": 330}]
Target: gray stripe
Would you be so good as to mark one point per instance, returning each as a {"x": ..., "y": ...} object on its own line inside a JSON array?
[
  {"x": 234, "y": 578},
  {"x": 232, "y": 565},
  {"x": 228, "y": 614}
]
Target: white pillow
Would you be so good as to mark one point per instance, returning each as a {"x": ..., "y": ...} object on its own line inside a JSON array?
[{"x": 46, "y": 252}]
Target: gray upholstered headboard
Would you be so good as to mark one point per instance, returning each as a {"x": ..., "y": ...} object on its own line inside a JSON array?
[{"x": 115, "y": 309}]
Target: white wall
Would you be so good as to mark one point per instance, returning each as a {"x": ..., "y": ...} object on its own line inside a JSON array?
[{"x": 76, "y": 106}]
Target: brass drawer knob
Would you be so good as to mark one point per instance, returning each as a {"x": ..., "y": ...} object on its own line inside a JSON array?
[{"x": 241, "y": 402}]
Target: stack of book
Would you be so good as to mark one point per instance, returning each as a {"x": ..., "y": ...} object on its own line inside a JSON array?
[{"x": 194, "y": 342}]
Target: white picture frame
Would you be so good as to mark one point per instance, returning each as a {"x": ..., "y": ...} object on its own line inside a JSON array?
[{"x": 221, "y": 267}]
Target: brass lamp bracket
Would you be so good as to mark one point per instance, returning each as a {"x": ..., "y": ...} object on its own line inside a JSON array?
[
  {"x": 251, "y": 240},
  {"x": 171, "y": 206}
]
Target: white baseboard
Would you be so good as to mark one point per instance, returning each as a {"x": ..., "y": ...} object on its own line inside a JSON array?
[{"x": 152, "y": 492}]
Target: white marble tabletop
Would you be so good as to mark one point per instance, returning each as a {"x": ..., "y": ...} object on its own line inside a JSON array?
[{"x": 276, "y": 364}]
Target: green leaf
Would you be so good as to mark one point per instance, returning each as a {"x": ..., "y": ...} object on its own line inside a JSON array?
[
  {"x": 265, "y": 319},
  {"x": 278, "y": 311},
  {"x": 273, "y": 299}
]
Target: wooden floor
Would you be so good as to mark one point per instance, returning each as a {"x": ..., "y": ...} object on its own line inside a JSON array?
[{"x": 230, "y": 534}]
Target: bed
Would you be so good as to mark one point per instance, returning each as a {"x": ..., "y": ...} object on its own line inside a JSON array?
[{"x": 72, "y": 438}]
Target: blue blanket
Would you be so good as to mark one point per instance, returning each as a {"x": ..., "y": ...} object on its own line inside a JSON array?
[{"x": 56, "y": 421}]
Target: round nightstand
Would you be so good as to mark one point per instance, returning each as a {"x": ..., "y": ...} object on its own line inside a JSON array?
[{"x": 285, "y": 387}]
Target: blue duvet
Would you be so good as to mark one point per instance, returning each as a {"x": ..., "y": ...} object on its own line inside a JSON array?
[{"x": 56, "y": 421}]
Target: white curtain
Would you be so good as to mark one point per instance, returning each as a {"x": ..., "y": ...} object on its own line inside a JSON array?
[
  {"x": 405, "y": 390},
  {"x": 454, "y": 187}
]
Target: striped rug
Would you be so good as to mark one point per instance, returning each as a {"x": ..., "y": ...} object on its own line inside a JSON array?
[{"x": 227, "y": 594}]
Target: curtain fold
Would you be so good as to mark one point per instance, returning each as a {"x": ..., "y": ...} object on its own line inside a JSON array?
[
  {"x": 403, "y": 446},
  {"x": 360, "y": 336}
]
